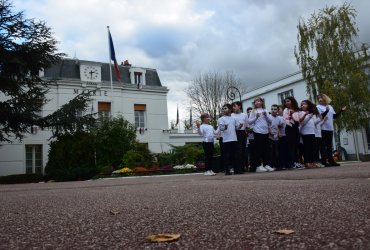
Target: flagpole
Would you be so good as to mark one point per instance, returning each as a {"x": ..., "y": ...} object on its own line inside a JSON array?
[{"x": 110, "y": 73}]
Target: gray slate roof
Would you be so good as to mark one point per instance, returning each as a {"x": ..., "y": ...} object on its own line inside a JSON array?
[{"x": 70, "y": 69}]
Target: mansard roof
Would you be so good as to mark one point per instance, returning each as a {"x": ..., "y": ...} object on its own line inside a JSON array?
[{"x": 70, "y": 69}]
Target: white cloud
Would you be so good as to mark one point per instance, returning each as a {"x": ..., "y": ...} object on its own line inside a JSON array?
[{"x": 253, "y": 38}]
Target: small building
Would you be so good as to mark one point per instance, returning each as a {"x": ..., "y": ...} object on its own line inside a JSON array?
[
  {"x": 139, "y": 97},
  {"x": 355, "y": 143}
]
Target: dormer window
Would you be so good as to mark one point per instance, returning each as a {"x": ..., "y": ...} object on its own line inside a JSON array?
[{"x": 137, "y": 76}]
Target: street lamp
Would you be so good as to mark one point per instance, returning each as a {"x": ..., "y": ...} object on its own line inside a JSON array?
[{"x": 232, "y": 93}]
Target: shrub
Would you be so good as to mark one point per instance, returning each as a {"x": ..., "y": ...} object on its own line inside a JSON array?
[
  {"x": 72, "y": 157},
  {"x": 189, "y": 153},
  {"x": 114, "y": 137},
  {"x": 21, "y": 178},
  {"x": 139, "y": 156},
  {"x": 131, "y": 159},
  {"x": 165, "y": 159}
]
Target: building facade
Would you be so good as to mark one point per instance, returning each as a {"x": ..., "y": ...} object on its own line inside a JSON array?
[
  {"x": 139, "y": 97},
  {"x": 355, "y": 143}
]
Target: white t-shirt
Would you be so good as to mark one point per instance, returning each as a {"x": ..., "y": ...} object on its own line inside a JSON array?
[
  {"x": 228, "y": 134},
  {"x": 328, "y": 124},
  {"x": 318, "y": 123},
  {"x": 207, "y": 132},
  {"x": 260, "y": 124},
  {"x": 307, "y": 126},
  {"x": 240, "y": 118}
]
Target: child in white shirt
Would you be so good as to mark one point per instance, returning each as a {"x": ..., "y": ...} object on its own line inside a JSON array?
[
  {"x": 241, "y": 147},
  {"x": 207, "y": 132},
  {"x": 227, "y": 128},
  {"x": 307, "y": 131},
  {"x": 276, "y": 123},
  {"x": 260, "y": 120}
]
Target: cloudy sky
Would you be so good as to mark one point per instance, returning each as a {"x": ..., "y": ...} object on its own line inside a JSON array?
[{"x": 180, "y": 38}]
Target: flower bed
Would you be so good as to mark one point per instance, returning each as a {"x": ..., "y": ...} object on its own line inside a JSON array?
[{"x": 166, "y": 169}]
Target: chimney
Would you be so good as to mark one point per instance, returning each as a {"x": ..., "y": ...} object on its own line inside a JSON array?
[{"x": 126, "y": 63}]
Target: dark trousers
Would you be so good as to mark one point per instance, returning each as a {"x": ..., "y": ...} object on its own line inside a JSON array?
[
  {"x": 241, "y": 151},
  {"x": 222, "y": 167},
  {"x": 292, "y": 137},
  {"x": 208, "y": 153},
  {"x": 283, "y": 152},
  {"x": 250, "y": 150},
  {"x": 228, "y": 149},
  {"x": 308, "y": 148},
  {"x": 326, "y": 149},
  {"x": 274, "y": 150},
  {"x": 261, "y": 150},
  {"x": 317, "y": 149}
]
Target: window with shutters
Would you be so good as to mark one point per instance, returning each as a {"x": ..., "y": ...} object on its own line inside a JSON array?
[
  {"x": 104, "y": 109},
  {"x": 140, "y": 115}
]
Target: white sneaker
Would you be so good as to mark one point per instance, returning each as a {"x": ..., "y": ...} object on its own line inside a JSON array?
[
  {"x": 320, "y": 165},
  {"x": 232, "y": 170},
  {"x": 261, "y": 169},
  {"x": 268, "y": 168},
  {"x": 207, "y": 173},
  {"x": 298, "y": 165},
  {"x": 212, "y": 173}
]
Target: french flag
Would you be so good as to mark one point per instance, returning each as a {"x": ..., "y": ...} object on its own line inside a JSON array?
[{"x": 113, "y": 57}]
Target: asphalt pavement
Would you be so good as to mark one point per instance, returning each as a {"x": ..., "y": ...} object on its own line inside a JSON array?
[{"x": 327, "y": 208}]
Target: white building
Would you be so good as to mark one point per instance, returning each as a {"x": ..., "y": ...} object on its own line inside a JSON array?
[
  {"x": 356, "y": 143},
  {"x": 139, "y": 97}
]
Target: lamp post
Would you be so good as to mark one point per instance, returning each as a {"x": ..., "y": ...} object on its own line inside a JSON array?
[{"x": 232, "y": 93}]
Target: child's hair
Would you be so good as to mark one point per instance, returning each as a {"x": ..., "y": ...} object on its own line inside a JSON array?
[
  {"x": 293, "y": 101},
  {"x": 261, "y": 99},
  {"x": 203, "y": 116},
  {"x": 229, "y": 106},
  {"x": 275, "y": 106},
  {"x": 325, "y": 98},
  {"x": 249, "y": 109},
  {"x": 310, "y": 106},
  {"x": 238, "y": 103}
]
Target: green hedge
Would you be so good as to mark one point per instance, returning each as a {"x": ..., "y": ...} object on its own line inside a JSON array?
[{"x": 21, "y": 178}]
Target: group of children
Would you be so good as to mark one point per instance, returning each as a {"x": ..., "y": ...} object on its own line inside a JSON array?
[{"x": 288, "y": 137}]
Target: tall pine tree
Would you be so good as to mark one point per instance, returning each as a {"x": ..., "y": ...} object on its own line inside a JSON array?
[{"x": 27, "y": 47}]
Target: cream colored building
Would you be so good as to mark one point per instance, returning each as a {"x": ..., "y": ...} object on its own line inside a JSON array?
[{"x": 139, "y": 97}]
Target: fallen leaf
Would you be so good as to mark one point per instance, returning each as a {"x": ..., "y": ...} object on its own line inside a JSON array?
[
  {"x": 114, "y": 212},
  {"x": 285, "y": 231},
  {"x": 163, "y": 237}
]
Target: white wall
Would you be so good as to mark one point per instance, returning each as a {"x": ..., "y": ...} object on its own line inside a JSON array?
[{"x": 12, "y": 156}]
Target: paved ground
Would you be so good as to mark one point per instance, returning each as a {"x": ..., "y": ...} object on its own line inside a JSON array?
[{"x": 327, "y": 208}]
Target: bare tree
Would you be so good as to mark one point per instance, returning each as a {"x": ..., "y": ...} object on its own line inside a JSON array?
[{"x": 208, "y": 92}]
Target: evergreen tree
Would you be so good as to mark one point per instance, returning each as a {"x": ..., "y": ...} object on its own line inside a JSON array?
[
  {"x": 26, "y": 48},
  {"x": 333, "y": 63}
]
